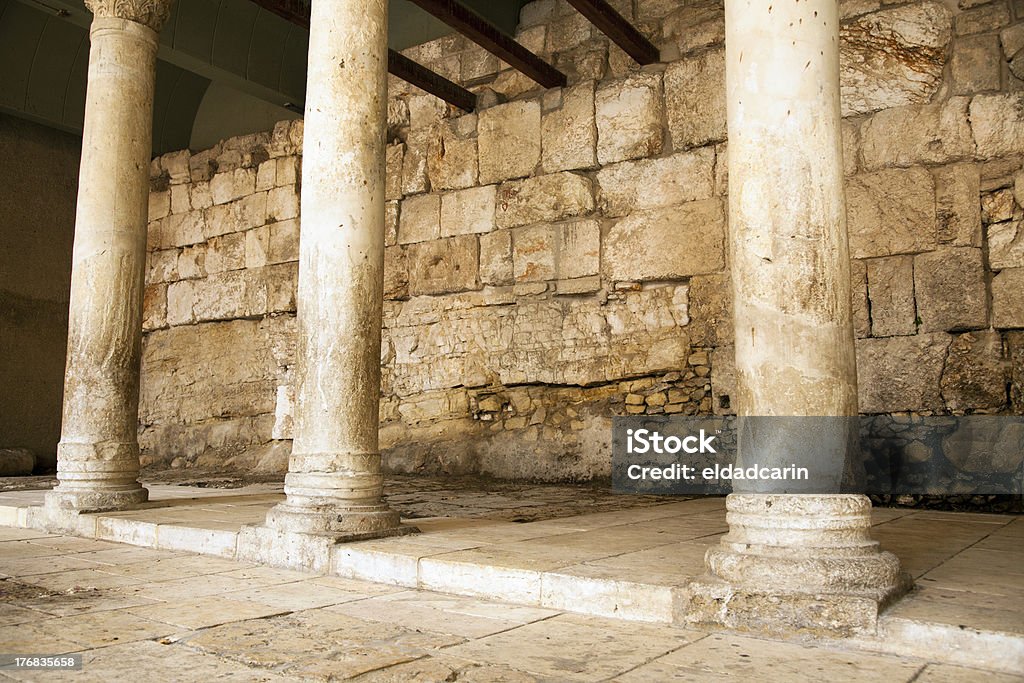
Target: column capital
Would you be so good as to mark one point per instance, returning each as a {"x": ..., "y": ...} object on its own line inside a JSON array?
[{"x": 151, "y": 13}]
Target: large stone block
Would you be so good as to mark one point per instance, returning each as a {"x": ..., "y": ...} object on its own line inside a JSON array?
[
  {"x": 420, "y": 219},
  {"x": 924, "y": 134},
  {"x": 414, "y": 162},
  {"x": 283, "y": 203},
  {"x": 1006, "y": 245},
  {"x": 891, "y": 293},
  {"x": 226, "y": 252},
  {"x": 535, "y": 253},
  {"x": 451, "y": 161},
  {"x": 667, "y": 244},
  {"x": 893, "y": 57},
  {"x": 695, "y": 99},
  {"x": 711, "y": 322},
  {"x": 974, "y": 377},
  {"x": 654, "y": 183},
  {"x": 998, "y": 124},
  {"x": 509, "y": 139},
  {"x": 545, "y": 198},
  {"x": 395, "y": 157},
  {"x": 569, "y": 134},
  {"x": 579, "y": 251},
  {"x": 227, "y": 187},
  {"x": 891, "y": 212},
  {"x": 443, "y": 266},
  {"x": 958, "y": 211},
  {"x": 950, "y": 287},
  {"x": 976, "y": 64},
  {"x": 468, "y": 211},
  {"x": 396, "y": 273},
  {"x": 901, "y": 373},
  {"x": 1008, "y": 299},
  {"x": 859, "y": 298},
  {"x": 496, "y": 258},
  {"x": 630, "y": 114}
]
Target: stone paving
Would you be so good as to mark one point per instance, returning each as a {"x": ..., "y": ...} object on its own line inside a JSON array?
[{"x": 174, "y": 616}]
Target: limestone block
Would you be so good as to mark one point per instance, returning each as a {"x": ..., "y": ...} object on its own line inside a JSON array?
[
  {"x": 974, "y": 377},
  {"x": 288, "y": 171},
  {"x": 654, "y": 183},
  {"x": 1006, "y": 245},
  {"x": 180, "y": 297},
  {"x": 667, "y": 244},
  {"x": 988, "y": 17},
  {"x": 893, "y": 57},
  {"x": 414, "y": 163},
  {"x": 883, "y": 383},
  {"x": 859, "y": 298},
  {"x": 420, "y": 219},
  {"x": 468, "y": 211},
  {"x": 283, "y": 413},
  {"x": 905, "y": 136},
  {"x": 159, "y": 204},
  {"x": 579, "y": 249},
  {"x": 567, "y": 32},
  {"x": 546, "y": 198},
  {"x": 395, "y": 155},
  {"x": 997, "y": 206},
  {"x": 569, "y": 134},
  {"x": 630, "y": 115},
  {"x": 1015, "y": 351},
  {"x": 425, "y": 111},
  {"x": 956, "y": 205},
  {"x": 200, "y": 195},
  {"x": 227, "y": 187},
  {"x": 1008, "y": 299},
  {"x": 226, "y": 252},
  {"x": 711, "y": 310},
  {"x": 266, "y": 175},
  {"x": 161, "y": 266},
  {"x": 443, "y": 266},
  {"x": 509, "y": 140},
  {"x": 950, "y": 288},
  {"x": 179, "y": 230},
  {"x": 975, "y": 64},
  {"x": 282, "y": 203},
  {"x": 998, "y": 124},
  {"x": 891, "y": 293},
  {"x": 176, "y": 164},
  {"x": 248, "y": 212},
  {"x": 891, "y": 212},
  {"x": 396, "y": 273},
  {"x": 202, "y": 165},
  {"x": 695, "y": 99},
  {"x": 180, "y": 202},
  {"x": 391, "y": 210},
  {"x": 154, "y": 307},
  {"x": 535, "y": 253},
  {"x": 496, "y": 258},
  {"x": 451, "y": 161},
  {"x": 191, "y": 262},
  {"x": 283, "y": 244},
  {"x": 695, "y": 26}
]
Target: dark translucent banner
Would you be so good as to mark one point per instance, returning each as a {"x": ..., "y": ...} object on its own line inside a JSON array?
[{"x": 880, "y": 455}]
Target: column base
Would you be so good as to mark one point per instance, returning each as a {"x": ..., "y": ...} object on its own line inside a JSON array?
[
  {"x": 795, "y": 563},
  {"x": 341, "y": 524},
  {"x": 95, "y": 500}
]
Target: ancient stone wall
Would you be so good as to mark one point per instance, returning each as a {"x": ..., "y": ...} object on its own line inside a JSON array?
[{"x": 560, "y": 257}]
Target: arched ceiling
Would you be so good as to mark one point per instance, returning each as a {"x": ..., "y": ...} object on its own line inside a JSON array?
[{"x": 44, "y": 54}]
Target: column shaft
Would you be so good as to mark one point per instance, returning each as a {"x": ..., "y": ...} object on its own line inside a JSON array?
[
  {"x": 98, "y": 454},
  {"x": 334, "y": 483}
]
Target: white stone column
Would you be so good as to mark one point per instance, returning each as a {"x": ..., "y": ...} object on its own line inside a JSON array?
[
  {"x": 802, "y": 561},
  {"x": 98, "y": 454},
  {"x": 334, "y": 484}
]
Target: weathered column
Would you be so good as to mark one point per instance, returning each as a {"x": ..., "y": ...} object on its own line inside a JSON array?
[
  {"x": 791, "y": 560},
  {"x": 334, "y": 484},
  {"x": 98, "y": 454}
]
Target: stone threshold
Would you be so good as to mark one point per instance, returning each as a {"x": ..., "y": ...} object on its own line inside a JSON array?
[{"x": 540, "y": 564}]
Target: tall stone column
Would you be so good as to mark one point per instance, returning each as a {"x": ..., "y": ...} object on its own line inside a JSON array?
[
  {"x": 98, "y": 454},
  {"x": 334, "y": 484},
  {"x": 791, "y": 560}
]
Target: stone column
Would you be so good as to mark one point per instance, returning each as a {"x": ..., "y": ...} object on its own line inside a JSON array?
[
  {"x": 98, "y": 454},
  {"x": 791, "y": 561},
  {"x": 334, "y": 484}
]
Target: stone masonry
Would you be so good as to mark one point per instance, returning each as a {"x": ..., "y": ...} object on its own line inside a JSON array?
[{"x": 559, "y": 257}]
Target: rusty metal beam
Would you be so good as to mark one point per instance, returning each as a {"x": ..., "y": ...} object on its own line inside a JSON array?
[
  {"x": 621, "y": 32},
  {"x": 487, "y": 36},
  {"x": 297, "y": 12}
]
